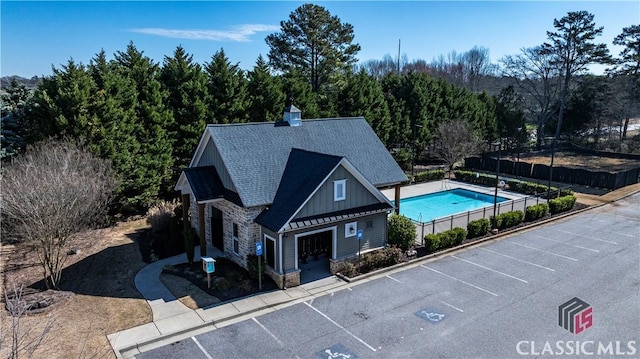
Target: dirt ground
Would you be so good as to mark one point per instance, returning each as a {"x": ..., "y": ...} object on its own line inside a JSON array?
[
  {"x": 574, "y": 160},
  {"x": 98, "y": 294}
]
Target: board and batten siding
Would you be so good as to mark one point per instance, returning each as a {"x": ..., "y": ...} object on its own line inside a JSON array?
[
  {"x": 323, "y": 201},
  {"x": 275, "y": 236},
  {"x": 372, "y": 237},
  {"x": 211, "y": 157}
]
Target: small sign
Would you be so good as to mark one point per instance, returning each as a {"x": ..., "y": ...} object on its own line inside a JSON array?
[
  {"x": 258, "y": 248},
  {"x": 208, "y": 264},
  {"x": 359, "y": 234}
]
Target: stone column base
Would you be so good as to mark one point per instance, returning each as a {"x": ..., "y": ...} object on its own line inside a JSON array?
[{"x": 287, "y": 280}]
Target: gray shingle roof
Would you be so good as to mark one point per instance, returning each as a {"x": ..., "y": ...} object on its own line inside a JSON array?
[
  {"x": 255, "y": 154},
  {"x": 303, "y": 173},
  {"x": 206, "y": 185}
]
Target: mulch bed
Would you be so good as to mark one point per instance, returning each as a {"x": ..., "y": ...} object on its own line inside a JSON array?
[{"x": 228, "y": 282}]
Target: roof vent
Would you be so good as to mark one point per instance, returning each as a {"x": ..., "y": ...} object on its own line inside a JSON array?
[{"x": 293, "y": 116}]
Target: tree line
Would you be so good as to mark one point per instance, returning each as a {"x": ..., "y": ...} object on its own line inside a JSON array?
[{"x": 147, "y": 117}]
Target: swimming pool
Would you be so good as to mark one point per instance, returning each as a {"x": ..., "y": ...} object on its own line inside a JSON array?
[{"x": 441, "y": 204}]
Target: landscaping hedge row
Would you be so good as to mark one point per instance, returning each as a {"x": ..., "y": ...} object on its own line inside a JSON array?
[
  {"x": 562, "y": 204},
  {"x": 477, "y": 228},
  {"x": 507, "y": 220},
  {"x": 446, "y": 239},
  {"x": 524, "y": 187},
  {"x": 536, "y": 211},
  {"x": 429, "y": 176}
]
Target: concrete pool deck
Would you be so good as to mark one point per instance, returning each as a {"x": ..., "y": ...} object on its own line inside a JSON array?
[{"x": 444, "y": 185}]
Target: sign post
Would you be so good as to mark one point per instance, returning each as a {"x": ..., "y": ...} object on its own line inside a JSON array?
[
  {"x": 208, "y": 265},
  {"x": 359, "y": 235},
  {"x": 259, "y": 254}
]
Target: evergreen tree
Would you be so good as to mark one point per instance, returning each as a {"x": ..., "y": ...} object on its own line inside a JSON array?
[
  {"x": 510, "y": 117},
  {"x": 60, "y": 105},
  {"x": 299, "y": 93},
  {"x": 315, "y": 43},
  {"x": 265, "y": 93},
  {"x": 363, "y": 96},
  {"x": 227, "y": 100},
  {"x": 113, "y": 108},
  {"x": 186, "y": 85},
  {"x": 152, "y": 169},
  {"x": 12, "y": 117}
]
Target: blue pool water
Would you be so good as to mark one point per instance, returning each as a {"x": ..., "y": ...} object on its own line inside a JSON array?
[{"x": 441, "y": 204}]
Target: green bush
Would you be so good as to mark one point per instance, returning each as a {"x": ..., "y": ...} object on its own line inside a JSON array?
[
  {"x": 380, "y": 258},
  {"x": 252, "y": 266},
  {"x": 189, "y": 244},
  {"x": 403, "y": 158},
  {"x": 536, "y": 211},
  {"x": 429, "y": 176},
  {"x": 524, "y": 187},
  {"x": 446, "y": 239},
  {"x": 562, "y": 204},
  {"x": 432, "y": 242},
  {"x": 507, "y": 220},
  {"x": 478, "y": 228},
  {"x": 402, "y": 232}
]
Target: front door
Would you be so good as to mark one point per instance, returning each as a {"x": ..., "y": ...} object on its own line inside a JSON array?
[{"x": 217, "y": 233}]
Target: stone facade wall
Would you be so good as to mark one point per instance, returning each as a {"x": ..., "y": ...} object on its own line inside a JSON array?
[
  {"x": 248, "y": 231},
  {"x": 287, "y": 280}
]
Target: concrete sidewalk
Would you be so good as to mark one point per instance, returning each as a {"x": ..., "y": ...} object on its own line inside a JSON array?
[{"x": 173, "y": 321}]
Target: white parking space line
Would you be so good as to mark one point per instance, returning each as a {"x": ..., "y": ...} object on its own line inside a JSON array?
[
  {"x": 567, "y": 244},
  {"x": 280, "y": 343},
  {"x": 340, "y": 326},
  {"x": 490, "y": 269},
  {"x": 454, "y": 307},
  {"x": 518, "y": 259},
  {"x": 581, "y": 235},
  {"x": 626, "y": 235},
  {"x": 542, "y": 250},
  {"x": 393, "y": 279},
  {"x": 460, "y": 280},
  {"x": 204, "y": 351}
]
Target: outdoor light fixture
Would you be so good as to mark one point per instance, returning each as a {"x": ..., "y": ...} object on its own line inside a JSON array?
[{"x": 495, "y": 196}]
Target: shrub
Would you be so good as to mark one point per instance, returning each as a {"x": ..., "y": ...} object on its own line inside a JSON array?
[
  {"x": 432, "y": 242},
  {"x": 252, "y": 266},
  {"x": 446, "y": 239},
  {"x": 478, "y": 228},
  {"x": 429, "y": 176},
  {"x": 402, "y": 232},
  {"x": 189, "y": 244},
  {"x": 380, "y": 258},
  {"x": 403, "y": 158},
  {"x": 562, "y": 204},
  {"x": 524, "y": 187},
  {"x": 507, "y": 220},
  {"x": 160, "y": 215},
  {"x": 536, "y": 211}
]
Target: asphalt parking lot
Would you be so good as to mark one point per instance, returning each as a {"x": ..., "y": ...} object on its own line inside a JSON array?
[{"x": 497, "y": 300}]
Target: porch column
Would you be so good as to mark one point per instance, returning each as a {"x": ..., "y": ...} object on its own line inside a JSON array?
[
  {"x": 397, "y": 199},
  {"x": 201, "y": 232},
  {"x": 186, "y": 205}
]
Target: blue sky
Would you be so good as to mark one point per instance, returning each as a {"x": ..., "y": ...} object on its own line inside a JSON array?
[{"x": 38, "y": 35}]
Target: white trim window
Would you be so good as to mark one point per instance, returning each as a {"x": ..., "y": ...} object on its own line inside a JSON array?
[
  {"x": 339, "y": 190},
  {"x": 236, "y": 242},
  {"x": 350, "y": 229}
]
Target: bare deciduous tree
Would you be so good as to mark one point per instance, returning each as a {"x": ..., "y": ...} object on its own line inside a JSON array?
[
  {"x": 49, "y": 194},
  {"x": 21, "y": 338},
  {"x": 454, "y": 140}
]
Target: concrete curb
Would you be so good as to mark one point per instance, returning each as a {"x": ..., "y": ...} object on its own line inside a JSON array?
[{"x": 188, "y": 332}]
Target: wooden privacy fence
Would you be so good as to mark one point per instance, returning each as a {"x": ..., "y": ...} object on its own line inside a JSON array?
[
  {"x": 462, "y": 219},
  {"x": 601, "y": 179}
]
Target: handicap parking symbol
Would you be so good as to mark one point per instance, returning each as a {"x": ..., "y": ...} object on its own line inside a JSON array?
[
  {"x": 431, "y": 315},
  {"x": 337, "y": 351}
]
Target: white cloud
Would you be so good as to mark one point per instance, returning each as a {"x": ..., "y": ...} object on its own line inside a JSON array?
[{"x": 238, "y": 33}]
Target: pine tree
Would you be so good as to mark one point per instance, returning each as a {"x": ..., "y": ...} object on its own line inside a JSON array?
[
  {"x": 185, "y": 83},
  {"x": 227, "y": 91},
  {"x": 363, "y": 96},
  {"x": 299, "y": 93},
  {"x": 12, "y": 117},
  {"x": 152, "y": 169},
  {"x": 265, "y": 93}
]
